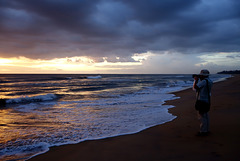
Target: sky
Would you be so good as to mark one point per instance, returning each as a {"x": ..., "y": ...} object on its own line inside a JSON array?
[{"x": 119, "y": 36}]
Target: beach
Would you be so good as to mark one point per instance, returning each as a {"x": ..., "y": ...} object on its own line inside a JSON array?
[{"x": 174, "y": 140}]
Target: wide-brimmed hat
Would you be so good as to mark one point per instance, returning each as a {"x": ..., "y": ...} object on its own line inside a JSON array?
[{"x": 204, "y": 72}]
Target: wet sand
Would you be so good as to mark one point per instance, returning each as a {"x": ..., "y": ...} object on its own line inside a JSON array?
[{"x": 172, "y": 141}]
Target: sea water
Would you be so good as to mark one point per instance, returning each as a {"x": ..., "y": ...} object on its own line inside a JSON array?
[{"x": 50, "y": 110}]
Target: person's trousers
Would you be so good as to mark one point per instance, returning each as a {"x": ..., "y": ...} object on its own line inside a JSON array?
[{"x": 204, "y": 122}]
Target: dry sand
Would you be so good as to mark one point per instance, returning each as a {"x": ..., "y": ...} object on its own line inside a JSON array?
[{"x": 172, "y": 141}]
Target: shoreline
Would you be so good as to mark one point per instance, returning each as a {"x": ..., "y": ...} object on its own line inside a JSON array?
[{"x": 174, "y": 140}]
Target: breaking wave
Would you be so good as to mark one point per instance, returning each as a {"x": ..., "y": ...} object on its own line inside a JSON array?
[{"x": 27, "y": 99}]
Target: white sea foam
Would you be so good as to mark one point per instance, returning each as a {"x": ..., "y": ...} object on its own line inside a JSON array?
[
  {"x": 24, "y": 150},
  {"x": 94, "y": 119},
  {"x": 94, "y": 77},
  {"x": 69, "y": 78},
  {"x": 38, "y": 98}
]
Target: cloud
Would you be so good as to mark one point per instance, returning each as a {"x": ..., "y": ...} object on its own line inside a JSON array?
[
  {"x": 170, "y": 63},
  {"x": 117, "y": 28},
  {"x": 220, "y": 61},
  {"x": 232, "y": 57}
]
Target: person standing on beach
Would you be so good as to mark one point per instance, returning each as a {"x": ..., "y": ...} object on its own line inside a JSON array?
[{"x": 202, "y": 84}]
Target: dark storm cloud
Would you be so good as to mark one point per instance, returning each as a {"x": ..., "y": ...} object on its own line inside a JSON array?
[{"x": 109, "y": 28}]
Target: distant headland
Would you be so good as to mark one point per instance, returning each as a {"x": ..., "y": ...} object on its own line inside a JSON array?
[{"x": 229, "y": 72}]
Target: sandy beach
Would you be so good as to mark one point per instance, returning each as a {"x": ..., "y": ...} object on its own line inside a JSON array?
[{"x": 172, "y": 141}]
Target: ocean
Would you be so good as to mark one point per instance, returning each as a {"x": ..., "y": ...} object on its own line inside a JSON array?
[{"x": 51, "y": 110}]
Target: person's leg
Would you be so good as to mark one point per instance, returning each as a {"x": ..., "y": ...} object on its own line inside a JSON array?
[
  {"x": 207, "y": 122},
  {"x": 204, "y": 122}
]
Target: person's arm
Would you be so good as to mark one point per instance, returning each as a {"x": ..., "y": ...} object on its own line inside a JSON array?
[{"x": 195, "y": 83}]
